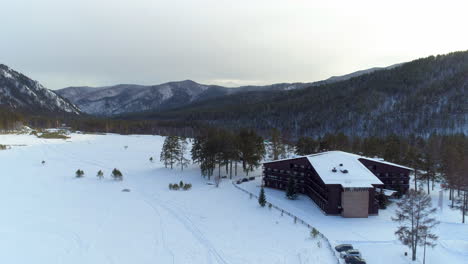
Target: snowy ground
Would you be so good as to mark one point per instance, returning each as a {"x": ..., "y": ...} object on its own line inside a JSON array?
[
  {"x": 374, "y": 236},
  {"x": 49, "y": 216}
]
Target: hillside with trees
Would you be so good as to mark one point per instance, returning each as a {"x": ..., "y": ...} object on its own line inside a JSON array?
[{"x": 421, "y": 97}]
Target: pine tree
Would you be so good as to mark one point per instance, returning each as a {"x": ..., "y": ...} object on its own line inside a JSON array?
[
  {"x": 261, "y": 198},
  {"x": 182, "y": 150},
  {"x": 151, "y": 159},
  {"x": 79, "y": 173},
  {"x": 100, "y": 174},
  {"x": 117, "y": 175},
  {"x": 276, "y": 145},
  {"x": 306, "y": 146},
  {"x": 251, "y": 149},
  {"x": 414, "y": 214},
  {"x": 291, "y": 189},
  {"x": 170, "y": 151}
]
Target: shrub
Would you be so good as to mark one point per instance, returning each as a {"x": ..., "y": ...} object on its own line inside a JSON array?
[
  {"x": 3, "y": 147},
  {"x": 175, "y": 187},
  {"x": 314, "y": 232},
  {"x": 187, "y": 186},
  {"x": 52, "y": 135},
  {"x": 171, "y": 186}
]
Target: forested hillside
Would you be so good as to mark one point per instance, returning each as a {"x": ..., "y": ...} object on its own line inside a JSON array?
[{"x": 421, "y": 97}]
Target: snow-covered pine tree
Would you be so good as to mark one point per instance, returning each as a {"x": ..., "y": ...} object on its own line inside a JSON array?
[
  {"x": 291, "y": 189},
  {"x": 415, "y": 216},
  {"x": 261, "y": 198}
]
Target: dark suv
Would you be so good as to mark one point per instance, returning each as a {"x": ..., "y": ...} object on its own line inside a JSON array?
[
  {"x": 343, "y": 247},
  {"x": 354, "y": 260}
]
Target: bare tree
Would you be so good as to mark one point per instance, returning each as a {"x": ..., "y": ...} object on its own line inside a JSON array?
[{"x": 414, "y": 214}]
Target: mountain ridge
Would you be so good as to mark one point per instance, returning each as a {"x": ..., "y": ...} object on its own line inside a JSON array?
[
  {"x": 124, "y": 99},
  {"x": 20, "y": 93}
]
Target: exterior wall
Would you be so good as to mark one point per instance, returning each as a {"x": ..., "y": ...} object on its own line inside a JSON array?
[
  {"x": 393, "y": 177},
  {"x": 355, "y": 202},
  {"x": 277, "y": 174}
]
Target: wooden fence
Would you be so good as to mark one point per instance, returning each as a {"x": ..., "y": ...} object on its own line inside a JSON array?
[{"x": 295, "y": 218}]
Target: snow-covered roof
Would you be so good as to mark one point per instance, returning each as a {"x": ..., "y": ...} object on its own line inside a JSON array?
[
  {"x": 338, "y": 167},
  {"x": 384, "y": 162}
]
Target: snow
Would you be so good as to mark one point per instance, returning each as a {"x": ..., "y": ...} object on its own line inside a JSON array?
[
  {"x": 357, "y": 174},
  {"x": 49, "y": 216},
  {"x": 374, "y": 236}
]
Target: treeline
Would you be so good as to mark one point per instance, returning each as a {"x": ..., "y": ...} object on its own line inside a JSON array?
[{"x": 223, "y": 148}]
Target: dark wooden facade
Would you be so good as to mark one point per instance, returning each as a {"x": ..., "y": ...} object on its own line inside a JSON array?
[
  {"x": 328, "y": 196},
  {"x": 394, "y": 177}
]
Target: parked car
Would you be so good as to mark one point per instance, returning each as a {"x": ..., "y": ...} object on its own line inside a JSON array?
[
  {"x": 351, "y": 252},
  {"x": 251, "y": 178},
  {"x": 354, "y": 260},
  {"x": 343, "y": 247},
  {"x": 245, "y": 180}
]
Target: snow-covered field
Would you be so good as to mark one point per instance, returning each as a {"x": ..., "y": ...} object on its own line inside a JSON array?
[
  {"x": 374, "y": 236},
  {"x": 49, "y": 216}
]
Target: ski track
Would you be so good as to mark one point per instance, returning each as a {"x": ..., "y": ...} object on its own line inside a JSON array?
[{"x": 189, "y": 225}]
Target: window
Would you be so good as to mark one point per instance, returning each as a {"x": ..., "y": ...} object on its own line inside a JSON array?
[{"x": 302, "y": 166}]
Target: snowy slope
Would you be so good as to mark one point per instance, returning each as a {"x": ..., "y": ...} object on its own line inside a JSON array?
[
  {"x": 48, "y": 216},
  {"x": 20, "y": 92}
]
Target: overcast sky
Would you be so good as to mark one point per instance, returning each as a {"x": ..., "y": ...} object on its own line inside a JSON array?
[{"x": 104, "y": 42}]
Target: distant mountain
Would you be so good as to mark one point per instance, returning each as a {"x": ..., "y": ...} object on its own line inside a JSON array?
[
  {"x": 20, "y": 93},
  {"x": 130, "y": 98},
  {"x": 421, "y": 97}
]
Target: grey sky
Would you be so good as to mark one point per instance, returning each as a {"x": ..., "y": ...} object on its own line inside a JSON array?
[{"x": 103, "y": 42}]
